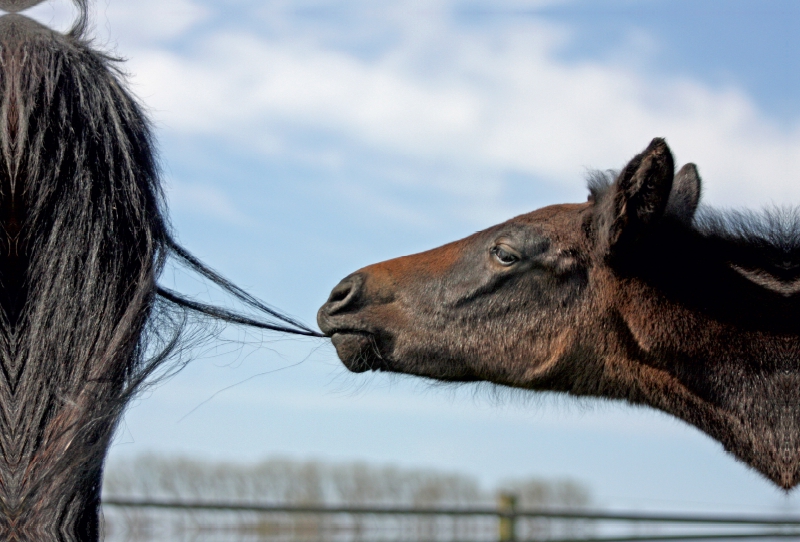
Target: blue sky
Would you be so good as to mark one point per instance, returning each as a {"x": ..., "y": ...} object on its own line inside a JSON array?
[{"x": 303, "y": 140}]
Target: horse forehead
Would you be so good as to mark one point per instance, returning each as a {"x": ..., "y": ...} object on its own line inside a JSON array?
[{"x": 558, "y": 222}]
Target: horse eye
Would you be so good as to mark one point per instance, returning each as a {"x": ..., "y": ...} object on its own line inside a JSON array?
[{"x": 504, "y": 256}]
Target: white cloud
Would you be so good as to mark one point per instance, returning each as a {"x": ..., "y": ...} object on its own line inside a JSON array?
[
  {"x": 492, "y": 98},
  {"x": 259, "y": 82},
  {"x": 152, "y": 20}
]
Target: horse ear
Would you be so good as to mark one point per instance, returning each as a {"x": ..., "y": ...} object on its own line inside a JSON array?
[
  {"x": 685, "y": 194},
  {"x": 638, "y": 197}
]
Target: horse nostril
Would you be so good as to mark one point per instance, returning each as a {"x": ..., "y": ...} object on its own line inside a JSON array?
[
  {"x": 344, "y": 294},
  {"x": 340, "y": 292}
]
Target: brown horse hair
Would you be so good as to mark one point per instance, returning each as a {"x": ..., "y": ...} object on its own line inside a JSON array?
[{"x": 638, "y": 294}]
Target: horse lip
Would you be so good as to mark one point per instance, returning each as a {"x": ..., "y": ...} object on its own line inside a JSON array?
[
  {"x": 347, "y": 331},
  {"x": 357, "y": 350},
  {"x": 329, "y": 326}
]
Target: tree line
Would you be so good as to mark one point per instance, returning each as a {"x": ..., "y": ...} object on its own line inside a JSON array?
[{"x": 318, "y": 483}]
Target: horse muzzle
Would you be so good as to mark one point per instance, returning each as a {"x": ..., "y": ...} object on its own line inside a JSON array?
[{"x": 340, "y": 320}]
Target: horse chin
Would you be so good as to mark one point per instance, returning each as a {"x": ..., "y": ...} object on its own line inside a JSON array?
[{"x": 357, "y": 350}]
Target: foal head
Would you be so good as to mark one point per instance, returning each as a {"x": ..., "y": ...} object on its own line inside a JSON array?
[
  {"x": 512, "y": 303},
  {"x": 622, "y": 297}
]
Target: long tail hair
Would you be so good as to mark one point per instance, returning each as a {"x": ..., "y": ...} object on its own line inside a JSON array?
[{"x": 83, "y": 238}]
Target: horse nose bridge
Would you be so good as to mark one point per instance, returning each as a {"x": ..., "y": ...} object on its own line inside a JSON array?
[{"x": 345, "y": 295}]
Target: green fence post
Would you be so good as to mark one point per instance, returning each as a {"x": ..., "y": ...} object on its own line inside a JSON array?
[{"x": 506, "y": 511}]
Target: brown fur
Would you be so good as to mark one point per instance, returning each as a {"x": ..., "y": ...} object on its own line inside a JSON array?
[{"x": 622, "y": 297}]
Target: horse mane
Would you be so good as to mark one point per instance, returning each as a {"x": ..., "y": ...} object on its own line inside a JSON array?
[
  {"x": 765, "y": 241},
  {"x": 599, "y": 182},
  {"x": 83, "y": 238},
  {"x": 774, "y": 227}
]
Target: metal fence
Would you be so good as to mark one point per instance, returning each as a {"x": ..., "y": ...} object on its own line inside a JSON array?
[{"x": 133, "y": 519}]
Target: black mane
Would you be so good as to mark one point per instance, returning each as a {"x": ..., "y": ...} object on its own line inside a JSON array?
[{"x": 765, "y": 241}]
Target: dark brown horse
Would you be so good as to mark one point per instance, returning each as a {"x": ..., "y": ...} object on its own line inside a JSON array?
[{"x": 631, "y": 295}]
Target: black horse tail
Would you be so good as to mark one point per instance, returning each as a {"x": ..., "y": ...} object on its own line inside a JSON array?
[{"x": 83, "y": 238}]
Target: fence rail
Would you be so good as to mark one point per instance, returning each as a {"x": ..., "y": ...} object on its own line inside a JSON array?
[
  {"x": 770, "y": 526},
  {"x": 458, "y": 511}
]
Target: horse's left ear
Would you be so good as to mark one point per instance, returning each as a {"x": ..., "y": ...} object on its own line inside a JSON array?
[{"x": 638, "y": 198}]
